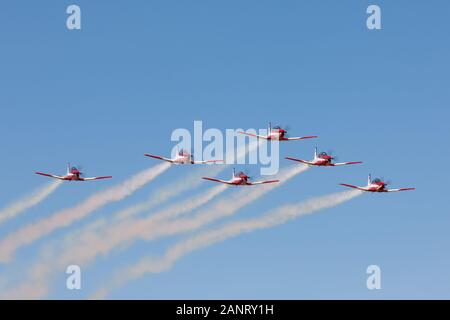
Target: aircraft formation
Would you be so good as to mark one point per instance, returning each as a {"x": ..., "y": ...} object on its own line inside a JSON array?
[{"x": 277, "y": 133}]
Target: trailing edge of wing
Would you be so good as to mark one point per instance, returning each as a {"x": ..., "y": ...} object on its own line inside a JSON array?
[
  {"x": 96, "y": 178},
  {"x": 401, "y": 189},
  {"x": 346, "y": 163},
  {"x": 217, "y": 180},
  {"x": 253, "y": 135},
  {"x": 351, "y": 186},
  {"x": 206, "y": 161},
  {"x": 158, "y": 157},
  {"x": 300, "y": 160}
]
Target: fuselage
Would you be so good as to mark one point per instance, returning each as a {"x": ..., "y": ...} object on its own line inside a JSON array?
[
  {"x": 277, "y": 134},
  {"x": 73, "y": 175},
  {"x": 379, "y": 186},
  {"x": 239, "y": 181},
  {"x": 323, "y": 161},
  {"x": 182, "y": 159}
]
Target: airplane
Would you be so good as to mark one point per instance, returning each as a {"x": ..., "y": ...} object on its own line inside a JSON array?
[
  {"x": 73, "y": 174},
  {"x": 323, "y": 159},
  {"x": 276, "y": 133},
  {"x": 376, "y": 185},
  {"x": 182, "y": 157},
  {"x": 240, "y": 179}
]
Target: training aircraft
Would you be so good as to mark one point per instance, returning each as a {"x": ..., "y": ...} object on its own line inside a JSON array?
[
  {"x": 322, "y": 159},
  {"x": 276, "y": 133},
  {"x": 240, "y": 179},
  {"x": 182, "y": 157},
  {"x": 73, "y": 174},
  {"x": 376, "y": 185}
]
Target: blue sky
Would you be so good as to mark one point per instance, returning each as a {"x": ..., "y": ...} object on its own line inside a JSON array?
[{"x": 104, "y": 95}]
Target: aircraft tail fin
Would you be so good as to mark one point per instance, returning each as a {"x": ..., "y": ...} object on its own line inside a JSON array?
[{"x": 369, "y": 179}]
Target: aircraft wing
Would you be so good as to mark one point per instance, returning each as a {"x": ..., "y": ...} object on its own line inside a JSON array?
[
  {"x": 262, "y": 182},
  {"x": 95, "y": 178},
  {"x": 345, "y": 163},
  {"x": 159, "y": 158},
  {"x": 50, "y": 175},
  {"x": 300, "y": 160},
  {"x": 401, "y": 189},
  {"x": 253, "y": 135},
  {"x": 217, "y": 180},
  {"x": 206, "y": 161},
  {"x": 351, "y": 186},
  {"x": 301, "y": 138}
]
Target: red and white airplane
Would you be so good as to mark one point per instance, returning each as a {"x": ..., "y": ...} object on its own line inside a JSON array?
[
  {"x": 276, "y": 133},
  {"x": 323, "y": 159},
  {"x": 73, "y": 174},
  {"x": 240, "y": 179},
  {"x": 376, "y": 185},
  {"x": 182, "y": 157}
]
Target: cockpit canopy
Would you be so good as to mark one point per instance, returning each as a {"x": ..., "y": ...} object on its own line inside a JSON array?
[{"x": 183, "y": 152}]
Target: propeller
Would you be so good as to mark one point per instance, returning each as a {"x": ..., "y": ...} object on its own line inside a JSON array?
[{"x": 247, "y": 173}]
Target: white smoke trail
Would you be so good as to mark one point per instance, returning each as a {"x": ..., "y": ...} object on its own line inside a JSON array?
[
  {"x": 90, "y": 235},
  {"x": 21, "y": 205},
  {"x": 95, "y": 243},
  {"x": 92, "y": 244},
  {"x": 37, "y": 286},
  {"x": 161, "y": 195},
  {"x": 208, "y": 238},
  {"x": 184, "y": 184},
  {"x": 63, "y": 218},
  {"x": 164, "y": 194}
]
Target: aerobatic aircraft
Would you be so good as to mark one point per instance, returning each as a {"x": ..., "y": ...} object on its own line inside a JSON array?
[
  {"x": 276, "y": 133},
  {"x": 376, "y": 185},
  {"x": 240, "y": 179},
  {"x": 182, "y": 157},
  {"x": 323, "y": 159},
  {"x": 73, "y": 174}
]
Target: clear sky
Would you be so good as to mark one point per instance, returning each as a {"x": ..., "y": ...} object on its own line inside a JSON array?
[{"x": 104, "y": 95}]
